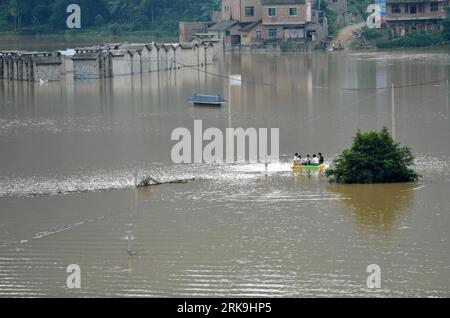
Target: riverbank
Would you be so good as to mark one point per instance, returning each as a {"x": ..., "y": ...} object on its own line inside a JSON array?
[
  {"x": 346, "y": 35},
  {"x": 366, "y": 38}
]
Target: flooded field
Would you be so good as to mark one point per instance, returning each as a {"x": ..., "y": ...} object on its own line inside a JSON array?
[{"x": 70, "y": 151}]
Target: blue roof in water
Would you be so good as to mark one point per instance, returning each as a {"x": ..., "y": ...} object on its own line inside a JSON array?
[{"x": 207, "y": 99}]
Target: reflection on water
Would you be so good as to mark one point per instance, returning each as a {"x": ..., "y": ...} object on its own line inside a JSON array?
[{"x": 375, "y": 207}]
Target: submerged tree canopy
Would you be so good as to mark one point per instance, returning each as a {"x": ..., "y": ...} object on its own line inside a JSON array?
[{"x": 373, "y": 158}]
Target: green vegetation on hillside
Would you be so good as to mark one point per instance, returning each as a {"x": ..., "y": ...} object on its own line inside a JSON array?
[
  {"x": 358, "y": 8},
  {"x": 373, "y": 158},
  {"x": 109, "y": 16},
  {"x": 414, "y": 39},
  {"x": 331, "y": 16},
  {"x": 374, "y": 34}
]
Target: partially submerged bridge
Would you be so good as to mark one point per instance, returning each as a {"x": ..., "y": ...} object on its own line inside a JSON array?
[{"x": 104, "y": 61}]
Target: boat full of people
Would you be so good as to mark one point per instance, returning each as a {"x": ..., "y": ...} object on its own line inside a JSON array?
[{"x": 314, "y": 162}]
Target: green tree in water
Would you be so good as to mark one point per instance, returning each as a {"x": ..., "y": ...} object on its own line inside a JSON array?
[{"x": 373, "y": 158}]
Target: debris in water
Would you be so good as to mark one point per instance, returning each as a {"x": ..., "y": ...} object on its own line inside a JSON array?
[{"x": 150, "y": 181}]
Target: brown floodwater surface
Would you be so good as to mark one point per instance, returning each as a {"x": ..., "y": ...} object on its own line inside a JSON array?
[{"x": 70, "y": 150}]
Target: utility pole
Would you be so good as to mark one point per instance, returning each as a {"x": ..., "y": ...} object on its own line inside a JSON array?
[
  {"x": 446, "y": 116},
  {"x": 229, "y": 100},
  {"x": 393, "y": 110},
  {"x": 228, "y": 130}
]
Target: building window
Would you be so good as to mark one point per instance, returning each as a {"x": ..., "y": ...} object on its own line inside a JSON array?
[
  {"x": 292, "y": 11},
  {"x": 258, "y": 35},
  {"x": 413, "y": 9},
  {"x": 227, "y": 33},
  {"x": 434, "y": 7},
  {"x": 249, "y": 11},
  {"x": 396, "y": 8},
  {"x": 421, "y": 7},
  {"x": 272, "y": 12},
  {"x": 272, "y": 33}
]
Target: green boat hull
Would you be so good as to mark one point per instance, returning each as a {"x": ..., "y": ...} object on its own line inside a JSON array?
[{"x": 298, "y": 167}]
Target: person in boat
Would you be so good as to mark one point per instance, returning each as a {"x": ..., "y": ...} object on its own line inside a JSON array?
[
  {"x": 314, "y": 161},
  {"x": 297, "y": 159},
  {"x": 307, "y": 160},
  {"x": 321, "y": 159}
]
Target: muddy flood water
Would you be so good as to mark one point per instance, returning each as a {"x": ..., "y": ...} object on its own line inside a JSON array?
[{"x": 70, "y": 150}]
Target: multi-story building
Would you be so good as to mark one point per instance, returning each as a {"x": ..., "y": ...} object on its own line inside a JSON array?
[
  {"x": 406, "y": 15},
  {"x": 241, "y": 10},
  {"x": 284, "y": 20},
  {"x": 246, "y": 22}
]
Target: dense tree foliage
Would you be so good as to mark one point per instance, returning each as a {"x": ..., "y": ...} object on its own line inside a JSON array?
[
  {"x": 373, "y": 158},
  {"x": 33, "y": 16},
  {"x": 358, "y": 8}
]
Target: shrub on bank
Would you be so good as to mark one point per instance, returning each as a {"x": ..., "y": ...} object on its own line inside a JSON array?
[
  {"x": 413, "y": 39},
  {"x": 374, "y": 34},
  {"x": 373, "y": 158}
]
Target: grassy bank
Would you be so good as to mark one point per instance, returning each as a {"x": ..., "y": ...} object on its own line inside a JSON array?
[{"x": 386, "y": 39}]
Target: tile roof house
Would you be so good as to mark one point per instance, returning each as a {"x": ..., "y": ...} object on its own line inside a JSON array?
[{"x": 247, "y": 22}]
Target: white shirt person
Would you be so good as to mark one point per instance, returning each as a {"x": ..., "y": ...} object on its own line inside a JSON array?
[{"x": 315, "y": 161}]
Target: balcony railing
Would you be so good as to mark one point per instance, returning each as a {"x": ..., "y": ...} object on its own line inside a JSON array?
[{"x": 415, "y": 16}]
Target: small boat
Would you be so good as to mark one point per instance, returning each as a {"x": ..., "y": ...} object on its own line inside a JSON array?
[
  {"x": 298, "y": 167},
  {"x": 212, "y": 100}
]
